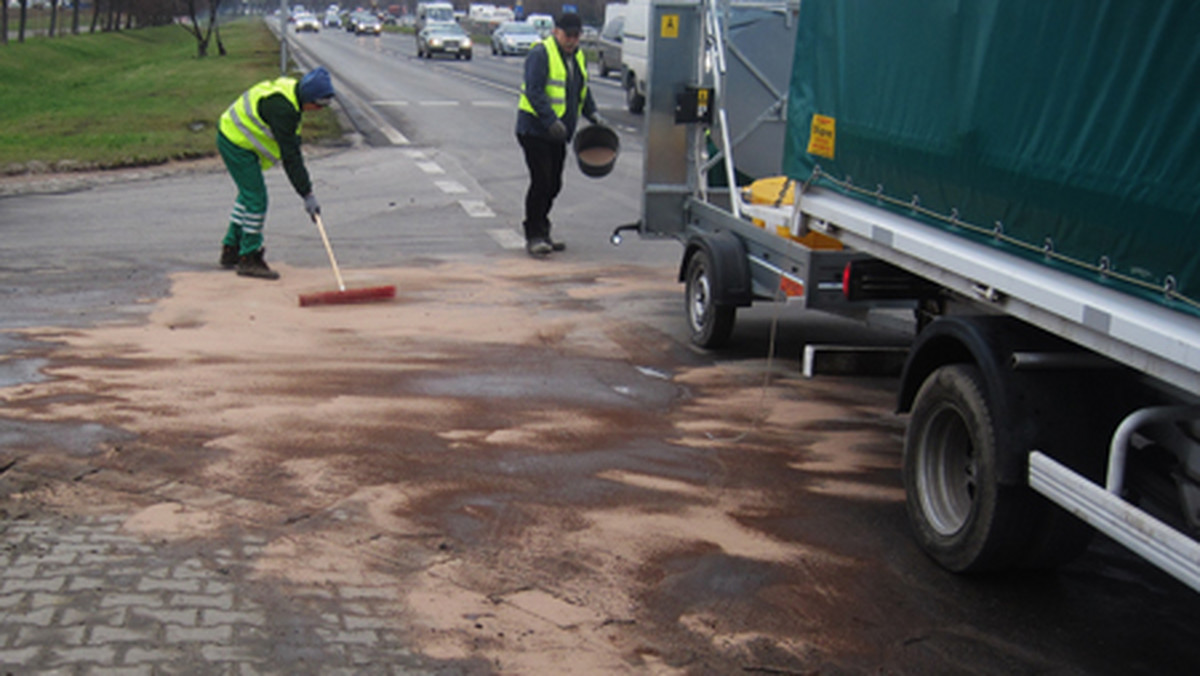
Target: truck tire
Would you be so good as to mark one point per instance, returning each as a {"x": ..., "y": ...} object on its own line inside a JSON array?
[
  {"x": 711, "y": 323},
  {"x": 961, "y": 514}
]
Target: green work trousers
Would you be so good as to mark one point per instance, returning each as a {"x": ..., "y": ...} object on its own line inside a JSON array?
[{"x": 250, "y": 210}]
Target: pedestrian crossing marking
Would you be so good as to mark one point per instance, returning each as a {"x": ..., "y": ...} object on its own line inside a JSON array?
[
  {"x": 477, "y": 209},
  {"x": 450, "y": 187},
  {"x": 508, "y": 238}
]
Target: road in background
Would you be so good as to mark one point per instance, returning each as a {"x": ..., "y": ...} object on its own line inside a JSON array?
[{"x": 459, "y": 117}]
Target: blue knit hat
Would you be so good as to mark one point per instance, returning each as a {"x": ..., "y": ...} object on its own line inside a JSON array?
[{"x": 316, "y": 85}]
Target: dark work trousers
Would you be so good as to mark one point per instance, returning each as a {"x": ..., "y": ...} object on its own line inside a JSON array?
[{"x": 545, "y": 158}]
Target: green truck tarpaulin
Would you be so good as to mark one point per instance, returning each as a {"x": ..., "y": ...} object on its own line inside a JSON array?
[{"x": 1069, "y": 126}]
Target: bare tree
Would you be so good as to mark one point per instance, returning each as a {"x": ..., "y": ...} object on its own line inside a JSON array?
[
  {"x": 53, "y": 16},
  {"x": 204, "y": 34},
  {"x": 3, "y": 23}
]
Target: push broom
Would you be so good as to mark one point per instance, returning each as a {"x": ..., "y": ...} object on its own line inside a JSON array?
[{"x": 343, "y": 295}]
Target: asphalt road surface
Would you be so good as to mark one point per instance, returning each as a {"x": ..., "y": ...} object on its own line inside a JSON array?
[{"x": 516, "y": 466}]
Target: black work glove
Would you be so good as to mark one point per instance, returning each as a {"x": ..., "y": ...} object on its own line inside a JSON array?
[{"x": 558, "y": 131}]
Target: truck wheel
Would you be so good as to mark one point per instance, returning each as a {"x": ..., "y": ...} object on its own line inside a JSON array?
[
  {"x": 711, "y": 324},
  {"x": 962, "y": 517}
]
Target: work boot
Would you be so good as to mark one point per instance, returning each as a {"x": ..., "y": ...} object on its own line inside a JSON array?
[
  {"x": 557, "y": 246},
  {"x": 253, "y": 265},
  {"x": 229, "y": 256}
]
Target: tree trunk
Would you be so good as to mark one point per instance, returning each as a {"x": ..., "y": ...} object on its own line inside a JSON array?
[
  {"x": 4, "y": 23},
  {"x": 75, "y": 17},
  {"x": 95, "y": 14},
  {"x": 212, "y": 25},
  {"x": 53, "y": 16},
  {"x": 21, "y": 21}
]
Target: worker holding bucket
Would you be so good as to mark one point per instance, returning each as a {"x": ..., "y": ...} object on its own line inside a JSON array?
[{"x": 554, "y": 94}]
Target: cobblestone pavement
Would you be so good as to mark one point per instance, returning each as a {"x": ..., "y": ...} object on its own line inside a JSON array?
[{"x": 80, "y": 596}]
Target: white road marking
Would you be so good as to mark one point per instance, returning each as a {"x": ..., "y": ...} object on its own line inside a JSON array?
[
  {"x": 492, "y": 104},
  {"x": 450, "y": 187},
  {"x": 477, "y": 209},
  {"x": 508, "y": 239},
  {"x": 432, "y": 104},
  {"x": 391, "y": 133},
  {"x": 431, "y": 167}
]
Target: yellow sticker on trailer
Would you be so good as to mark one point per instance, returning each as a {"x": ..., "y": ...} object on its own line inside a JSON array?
[
  {"x": 821, "y": 136},
  {"x": 670, "y": 26}
]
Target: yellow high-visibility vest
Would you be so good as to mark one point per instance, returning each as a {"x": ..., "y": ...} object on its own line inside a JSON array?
[
  {"x": 556, "y": 82},
  {"x": 241, "y": 124}
]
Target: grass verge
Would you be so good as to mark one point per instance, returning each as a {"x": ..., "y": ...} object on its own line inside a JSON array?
[{"x": 133, "y": 98}]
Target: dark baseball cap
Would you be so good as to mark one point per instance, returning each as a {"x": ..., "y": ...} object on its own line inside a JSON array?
[{"x": 570, "y": 23}]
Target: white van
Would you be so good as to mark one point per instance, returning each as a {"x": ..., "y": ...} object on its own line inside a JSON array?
[
  {"x": 433, "y": 12},
  {"x": 635, "y": 50},
  {"x": 543, "y": 22}
]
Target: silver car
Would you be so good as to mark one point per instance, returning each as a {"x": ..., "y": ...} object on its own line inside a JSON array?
[
  {"x": 514, "y": 37},
  {"x": 441, "y": 38},
  {"x": 307, "y": 21}
]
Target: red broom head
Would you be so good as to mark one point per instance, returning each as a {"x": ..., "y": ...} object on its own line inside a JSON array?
[{"x": 349, "y": 296}]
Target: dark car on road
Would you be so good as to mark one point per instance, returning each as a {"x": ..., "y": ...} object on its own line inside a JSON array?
[
  {"x": 514, "y": 37},
  {"x": 368, "y": 23},
  {"x": 444, "y": 38}
]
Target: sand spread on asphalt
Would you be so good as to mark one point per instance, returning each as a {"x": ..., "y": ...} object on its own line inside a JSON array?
[{"x": 289, "y": 408}]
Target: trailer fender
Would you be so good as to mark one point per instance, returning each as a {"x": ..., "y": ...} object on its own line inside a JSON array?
[
  {"x": 730, "y": 269},
  {"x": 1035, "y": 408}
]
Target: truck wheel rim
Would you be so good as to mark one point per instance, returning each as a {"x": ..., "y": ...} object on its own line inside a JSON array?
[
  {"x": 700, "y": 299},
  {"x": 947, "y": 472}
]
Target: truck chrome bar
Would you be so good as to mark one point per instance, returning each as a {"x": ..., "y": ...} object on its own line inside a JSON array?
[
  {"x": 1049, "y": 361},
  {"x": 1119, "y": 448},
  {"x": 1150, "y": 538}
]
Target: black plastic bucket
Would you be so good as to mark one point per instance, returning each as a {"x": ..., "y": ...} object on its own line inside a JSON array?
[{"x": 596, "y": 149}]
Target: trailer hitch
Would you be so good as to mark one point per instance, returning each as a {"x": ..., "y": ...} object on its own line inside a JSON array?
[{"x": 615, "y": 237}]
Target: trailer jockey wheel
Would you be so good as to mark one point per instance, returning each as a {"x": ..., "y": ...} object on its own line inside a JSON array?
[
  {"x": 711, "y": 323},
  {"x": 961, "y": 515}
]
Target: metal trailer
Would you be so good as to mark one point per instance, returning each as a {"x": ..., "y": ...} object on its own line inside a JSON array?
[{"x": 1012, "y": 359}]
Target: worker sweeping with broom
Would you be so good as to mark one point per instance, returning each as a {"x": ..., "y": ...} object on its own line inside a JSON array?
[{"x": 260, "y": 129}]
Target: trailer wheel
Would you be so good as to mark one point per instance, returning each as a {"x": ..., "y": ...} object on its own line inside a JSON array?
[
  {"x": 634, "y": 101},
  {"x": 711, "y": 324},
  {"x": 962, "y": 516}
]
